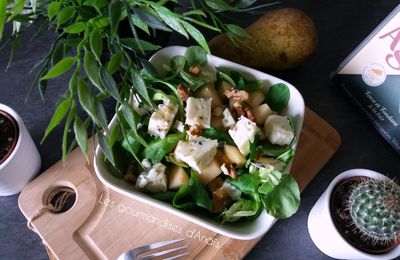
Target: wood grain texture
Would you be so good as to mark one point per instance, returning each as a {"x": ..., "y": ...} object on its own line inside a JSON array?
[{"x": 102, "y": 223}]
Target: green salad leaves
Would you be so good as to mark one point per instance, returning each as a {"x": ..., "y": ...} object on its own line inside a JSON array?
[
  {"x": 259, "y": 181},
  {"x": 267, "y": 188}
]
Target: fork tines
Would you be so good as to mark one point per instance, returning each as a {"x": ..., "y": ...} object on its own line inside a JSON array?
[{"x": 181, "y": 250}]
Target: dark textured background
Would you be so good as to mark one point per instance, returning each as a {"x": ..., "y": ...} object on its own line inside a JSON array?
[{"x": 341, "y": 25}]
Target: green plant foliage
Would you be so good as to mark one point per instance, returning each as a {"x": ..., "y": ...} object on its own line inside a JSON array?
[{"x": 90, "y": 43}]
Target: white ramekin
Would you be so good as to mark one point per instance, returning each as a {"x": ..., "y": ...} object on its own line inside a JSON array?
[
  {"x": 323, "y": 231},
  {"x": 23, "y": 163}
]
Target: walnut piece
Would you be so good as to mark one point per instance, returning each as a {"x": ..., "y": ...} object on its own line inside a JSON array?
[
  {"x": 249, "y": 113},
  {"x": 240, "y": 95},
  {"x": 243, "y": 109},
  {"x": 220, "y": 199},
  {"x": 131, "y": 174},
  {"x": 183, "y": 94},
  {"x": 229, "y": 169},
  {"x": 195, "y": 70},
  {"x": 215, "y": 184},
  {"x": 195, "y": 130},
  {"x": 238, "y": 109}
]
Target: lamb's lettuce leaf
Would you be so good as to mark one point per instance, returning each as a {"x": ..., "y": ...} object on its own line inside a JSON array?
[
  {"x": 171, "y": 159},
  {"x": 158, "y": 148},
  {"x": 192, "y": 195},
  {"x": 214, "y": 133},
  {"x": 278, "y": 96},
  {"x": 241, "y": 208},
  {"x": 238, "y": 81},
  {"x": 279, "y": 192},
  {"x": 182, "y": 200},
  {"x": 282, "y": 200},
  {"x": 199, "y": 192},
  {"x": 195, "y": 56}
]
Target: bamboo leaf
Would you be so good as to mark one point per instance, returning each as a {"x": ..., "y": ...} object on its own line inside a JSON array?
[
  {"x": 100, "y": 22},
  {"x": 195, "y": 12},
  {"x": 133, "y": 44},
  {"x": 53, "y": 9},
  {"x": 171, "y": 20},
  {"x": 114, "y": 135},
  {"x": 75, "y": 28},
  {"x": 105, "y": 148},
  {"x": 132, "y": 118},
  {"x": 59, "y": 114},
  {"x": 108, "y": 83},
  {"x": 60, "y": 68},
  {"x": 80, "y": 130},
  {"x": 115, "y": 62},
  {"x": 72, "y": 42},
  {"x": 151, "y": 20},
  {"x": 205, "y": 25},
  {"x": 140, "y": 85},
  {"x": 65, "y": 136},
  {"x": 101, "y": 115},
  {"x": 96, "y": 4},
  {"x": 91, "y": 105},
  {"x": 237, "y": 30},
  {"x": 115, "y": 11},
  {"x": 139, "y": 23},
  {"x": 91, "y": 69},
  {"x": 42, "y": 88},
  {"x": 219, "y": 5},
  {"x": 72, "y": 83},
  {"x": 87, "y": 100},
  {"x": 245, "y": 3},
  {"x": 131, "y": 144},
  {"x": 96, "y": 44},
  {"x": 13, "y": 50},
  {"x": 196, "y": 35},
  {"x": 65, "y": 15},
  {"x": 58, "y": 52},
  {"x": 3, "y": 15}
]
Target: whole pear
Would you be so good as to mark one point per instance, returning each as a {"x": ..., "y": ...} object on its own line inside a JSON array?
[{"x": 280, "y": 39}]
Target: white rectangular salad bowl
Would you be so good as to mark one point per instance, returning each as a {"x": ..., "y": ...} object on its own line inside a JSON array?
[{"x": 244, "y": 230}]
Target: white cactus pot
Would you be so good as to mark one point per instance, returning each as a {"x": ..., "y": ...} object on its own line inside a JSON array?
[
  {"x": 24, "y": 161},
  {"x": 323, "y": 231}
]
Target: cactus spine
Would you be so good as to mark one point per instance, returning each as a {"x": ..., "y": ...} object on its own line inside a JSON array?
[{"x": 375, "y": 210}]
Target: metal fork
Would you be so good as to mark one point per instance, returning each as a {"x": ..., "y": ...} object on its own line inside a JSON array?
[{"x": 133, "y": 254}]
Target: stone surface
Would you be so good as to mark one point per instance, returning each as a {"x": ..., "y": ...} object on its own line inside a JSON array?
[{"x": 341, "y": 26}]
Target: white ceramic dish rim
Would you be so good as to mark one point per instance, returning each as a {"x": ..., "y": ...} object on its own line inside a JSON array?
[{"x": 246, "y": 230}]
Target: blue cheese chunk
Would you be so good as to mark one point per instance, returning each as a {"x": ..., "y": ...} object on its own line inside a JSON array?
[
  {"x": 227, "y": 119},
  {"x": 197, "y": 152},
  {"x": 198, "y": 111},
  {"x": 232, "y": 191},
  {"x": 162, "y": 118},
  {"x": 178, "y": 125},
  {"x": 154, "y": 180},
  {"x": 278, "y": 130},
  {"x": 243, "y": 133},
  {"x": 276, "y": 164}
]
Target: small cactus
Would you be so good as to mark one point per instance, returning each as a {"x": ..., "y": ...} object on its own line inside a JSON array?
[{"x": 374, "y": 207}]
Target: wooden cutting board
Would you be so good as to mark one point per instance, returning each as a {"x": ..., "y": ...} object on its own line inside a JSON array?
[{"x": 102, "y": 223}]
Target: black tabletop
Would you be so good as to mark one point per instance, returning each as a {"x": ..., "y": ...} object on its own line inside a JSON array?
[{"x": 341, "y": 25}]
